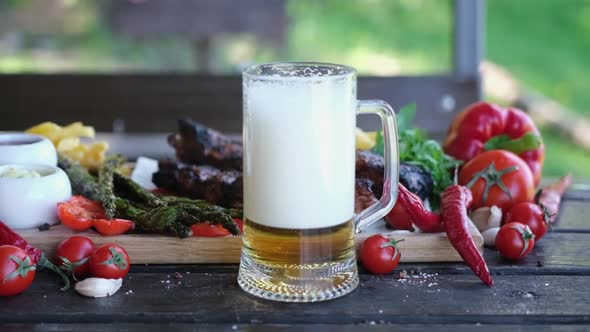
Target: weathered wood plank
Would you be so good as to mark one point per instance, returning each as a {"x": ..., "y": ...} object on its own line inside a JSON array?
[
  {"x": 216, "y": 298},
  {"x": 152, "y": 248},
  {"x": 369, "y": 326},
  {"x": 579, "y": 194},
  {"x": 574, "y": 214}
]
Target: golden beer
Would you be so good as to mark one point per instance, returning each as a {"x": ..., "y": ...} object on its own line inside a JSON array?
[
  {"x": 291, "y": 258},
  {"x": 285, "y": 247}
]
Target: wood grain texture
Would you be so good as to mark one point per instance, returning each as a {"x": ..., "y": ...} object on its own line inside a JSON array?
[
  {"x": 157, "y": 249},
  {"x": 369, "y": 326},
  {"x": 215, "y": 298},
  {"x": 574, "y": 214}
]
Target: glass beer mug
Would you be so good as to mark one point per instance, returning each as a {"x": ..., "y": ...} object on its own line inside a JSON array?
[{"x": 299, "y": 180}]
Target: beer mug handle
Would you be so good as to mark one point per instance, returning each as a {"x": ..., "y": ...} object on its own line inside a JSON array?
[{"x": 391, "y": 155}]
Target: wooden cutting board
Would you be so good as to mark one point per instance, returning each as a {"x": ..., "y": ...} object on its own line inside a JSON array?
[{"x": 158, "y": 249}]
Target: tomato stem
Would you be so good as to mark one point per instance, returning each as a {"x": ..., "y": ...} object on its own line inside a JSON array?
[
  {"x": 118, "y": 259},
  {"x": 526, "y": 235},
  {"x": 22, "y": 267},
  {"x": 491, "y": 177},
  {"x": 45, "y": 263},
  {"x": 391, "y": 243}
]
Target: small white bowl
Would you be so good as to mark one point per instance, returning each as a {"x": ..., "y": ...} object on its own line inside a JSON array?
[
  {"x": 31, "y": 202},
  {"x": 23, "y": 148}
]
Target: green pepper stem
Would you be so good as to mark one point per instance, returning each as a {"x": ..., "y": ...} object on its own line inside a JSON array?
[{"x": 530, "y": 141}]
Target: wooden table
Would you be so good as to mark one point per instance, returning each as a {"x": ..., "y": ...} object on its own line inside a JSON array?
[{"x": 550, "y": 287}]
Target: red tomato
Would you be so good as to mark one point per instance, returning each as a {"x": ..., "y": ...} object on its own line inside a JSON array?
[
  {"x": 79, "y": 212},
  {"x": 379, "y": 254},
  {"x": 17, "y": 270},
  {"x": 498, "y": 178},
  {"x": 397, "y": 218},
  {"x": 110, "y": 261},
  {"x": 532, "y": 215},
  {"x": 209, "y": 230},
  {"x": 72, "y": 255},
  {"x": 113, "y": 226},
  {"x": 515, "y": 241}
]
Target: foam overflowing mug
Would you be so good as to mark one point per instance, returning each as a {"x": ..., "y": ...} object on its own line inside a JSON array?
[{"x": 299, "y": 180}]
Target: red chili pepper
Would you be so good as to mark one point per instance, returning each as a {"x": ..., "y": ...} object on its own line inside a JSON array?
[
  {"x": 455, "y": 201},
  {"x": 10, "y": 237},
  {"x": 550, "y": 196},
  {"x": 427, "y": 221},
  {"x": 483, "y": 126}
]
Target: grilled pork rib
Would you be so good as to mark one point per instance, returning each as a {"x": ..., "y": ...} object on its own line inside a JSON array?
[
  {"x": 219, "y": 187},
  {"x": 199, "y": 145}
]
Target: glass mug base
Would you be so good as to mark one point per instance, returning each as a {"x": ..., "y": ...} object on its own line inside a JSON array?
[
  {"x": 298, "y": 265},
  {"x": 298, "y": 283}
]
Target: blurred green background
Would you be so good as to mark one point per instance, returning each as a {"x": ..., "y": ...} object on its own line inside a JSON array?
[{"x": 544, "y": 44}]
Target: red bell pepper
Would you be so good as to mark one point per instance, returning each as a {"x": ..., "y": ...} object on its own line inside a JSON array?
[{"x": 483, "y": 126}]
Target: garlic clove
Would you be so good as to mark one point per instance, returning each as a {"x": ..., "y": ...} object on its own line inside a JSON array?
[
  {"x": 486, "y": 217},
  {"x": 495, "y": 218},
  {"x": 480, "y": 217},
  {"x": 98, "y": 287},
  {"x": 489, "y": 236}
]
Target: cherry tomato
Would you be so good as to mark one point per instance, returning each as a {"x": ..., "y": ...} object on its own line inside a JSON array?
[
  {"x": 532, "y": 215},
  {"x": 17, "y": 270},
  {"x": 110, "y": 261},
  {"x": 379, "y": 254},
  {"x": 498, "y": 178},
  {"x": 397, "y": 218},
  {"x": 209, "y": 230},
  {"x": 515, "y": 241},
  {"x": 113, "y": 226},
  {"x": 79, "y": 212},
  {"x": 72, "y": 255},
  {"x": 214, "y": 230}
]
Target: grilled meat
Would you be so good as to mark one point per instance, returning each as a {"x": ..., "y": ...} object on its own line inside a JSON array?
[
  {"x": 199, "y": 145},
  {"x": 219, "y": 187},
  {"x": 363, "y": 196},
  {"x": 416, "y": 179},
  {"x": 370, "y": 166}
]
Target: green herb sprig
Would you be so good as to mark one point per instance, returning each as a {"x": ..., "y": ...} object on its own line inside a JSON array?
[{"x": 415, "y": 148}]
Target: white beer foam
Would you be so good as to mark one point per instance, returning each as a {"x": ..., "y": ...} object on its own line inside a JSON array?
[{"x": 299, "y": 166}]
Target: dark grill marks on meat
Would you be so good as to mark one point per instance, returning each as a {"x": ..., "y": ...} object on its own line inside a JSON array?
[
  {"x": 216, "y": 186},
  {"x": 199, "y": 145},
  {"x": 364, "y": 196},
  {"x": 370, "y": 166}
]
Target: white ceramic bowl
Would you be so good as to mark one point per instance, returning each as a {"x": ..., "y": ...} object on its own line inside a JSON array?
[
  {"x": 31, "y": 202},
  {"x": 22, "y": 148}
]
